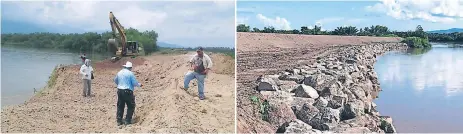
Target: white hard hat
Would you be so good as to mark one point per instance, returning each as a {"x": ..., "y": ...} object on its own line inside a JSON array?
[{"x": 128, "y": 64}]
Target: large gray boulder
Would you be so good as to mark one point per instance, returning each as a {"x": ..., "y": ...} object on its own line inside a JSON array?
[
  {"x": 305, "y": 91},
  {"x": 359, "y": 93},
  {"x": 386, "y": 124},
  {"x": 277, "y": 96},
  {"x": 298, "y": 126},
  {"x": 337, "y": 101},
  {"x": 353, "y": 109},
  {"x": 305, "y": 112},
  {"x": 299, "y": 101},
  {"x": 267, "y": 83},
  {"x": 279, "y": 113},
  {"x": 325, "y": 119},
  {"x": 318, "y": 81},
  {"x": 321, "y": 102}
]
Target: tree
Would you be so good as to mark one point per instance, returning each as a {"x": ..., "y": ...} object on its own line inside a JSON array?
[
  {"x": 85, "y": 42},
  {"x": 304, "y": 30},
  {"x": 317, "y": 29},
  {"x": 243, "y": 28},
  {"x": 269, "y": 29},
  {"x": 256, "y": 30}
]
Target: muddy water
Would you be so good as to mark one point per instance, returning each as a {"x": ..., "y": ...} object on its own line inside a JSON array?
[
  {"x": 422, "y": 89},
  {"x": 26, "y": 69}
]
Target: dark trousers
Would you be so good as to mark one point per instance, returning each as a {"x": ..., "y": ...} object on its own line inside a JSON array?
[{"x": 125, "y": 97}]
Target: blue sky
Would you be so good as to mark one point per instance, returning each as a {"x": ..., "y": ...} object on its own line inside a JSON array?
[
  {"x": 178, "y": 22},
  {"x": 397, "y": 15}
]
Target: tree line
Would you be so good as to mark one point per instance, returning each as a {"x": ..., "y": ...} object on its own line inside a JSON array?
[
  {"x": 378, "y": 30},
  {"x": 84, "y": 42},
  {"x": 225, "y": 50}
]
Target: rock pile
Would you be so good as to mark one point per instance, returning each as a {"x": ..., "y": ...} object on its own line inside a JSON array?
[{"x": 334, "y": 94}]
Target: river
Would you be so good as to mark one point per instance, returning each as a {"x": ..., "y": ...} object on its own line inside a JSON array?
[
  {"x": 422, "y": 89},
  {"x": 24, "y": 69}
]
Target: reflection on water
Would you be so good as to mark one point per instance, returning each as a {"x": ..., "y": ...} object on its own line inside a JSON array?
[
  {"x": 423, "y": 89},
  {"x": 418, "y": 51},
  {"x": 26, "y": 69}
]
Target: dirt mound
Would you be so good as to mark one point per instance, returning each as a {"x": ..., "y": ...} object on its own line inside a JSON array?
[
  {"x": 264, "y": 54},
  {"x": 223, "y": 64},
  {"x": 161, "y": 105}
]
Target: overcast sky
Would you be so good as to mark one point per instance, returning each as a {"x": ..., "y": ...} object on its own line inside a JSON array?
[{"x": 177, "y": 22}]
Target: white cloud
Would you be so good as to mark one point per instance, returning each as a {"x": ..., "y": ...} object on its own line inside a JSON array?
[
  {"x": 278, "y": 23},
  {"x": 176, "y": 22},
  {"x": 241, "y": 20},
  {"x": 444, "y": 11}
]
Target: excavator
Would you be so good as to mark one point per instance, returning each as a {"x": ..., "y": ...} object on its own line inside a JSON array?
[{"x": 127, "y": 48}]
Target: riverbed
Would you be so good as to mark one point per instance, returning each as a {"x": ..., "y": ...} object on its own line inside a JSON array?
[
  {"x": 24, "y": 69},
  {"x": 422, "y": 89}
]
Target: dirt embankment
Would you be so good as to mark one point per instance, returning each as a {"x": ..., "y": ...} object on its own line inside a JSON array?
[
  {"x": 303, "y": 77},
  {"x": 160, "y": 105}
]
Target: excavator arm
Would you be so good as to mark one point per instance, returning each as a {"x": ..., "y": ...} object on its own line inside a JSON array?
[{"x": 116, "y": 26}]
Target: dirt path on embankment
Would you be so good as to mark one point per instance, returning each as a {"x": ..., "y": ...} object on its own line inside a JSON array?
[
  {"x": 160, "y": 105},
  {"x": 267, "y": 54}
]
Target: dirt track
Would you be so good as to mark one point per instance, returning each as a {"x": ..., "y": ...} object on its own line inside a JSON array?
[
  {"x": 161, "y": 105},
  {"x": 261, "y": 53}
]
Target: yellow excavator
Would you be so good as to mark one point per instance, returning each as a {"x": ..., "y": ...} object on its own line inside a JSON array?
[{"x": 127, "y": 48}]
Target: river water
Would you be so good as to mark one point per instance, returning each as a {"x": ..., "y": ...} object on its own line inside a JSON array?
[
  {"x": 422, "y": 89},
  {"x": 25, "y": 69}
]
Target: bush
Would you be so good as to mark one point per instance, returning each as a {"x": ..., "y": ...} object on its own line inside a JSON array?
[{"x": 417, "y": 42}]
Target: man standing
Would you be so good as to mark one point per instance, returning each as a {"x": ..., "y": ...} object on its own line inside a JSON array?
[
  {"x": 126, "y": 81},
  {"x": 200, "y": 66},
  {"x": 86, "y": 70}
]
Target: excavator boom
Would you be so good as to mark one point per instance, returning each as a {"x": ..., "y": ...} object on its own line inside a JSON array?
[{"x": 116, "y": 27}]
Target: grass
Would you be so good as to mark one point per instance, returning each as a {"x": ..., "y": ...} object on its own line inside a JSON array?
[{"x": 51, "y": 81}]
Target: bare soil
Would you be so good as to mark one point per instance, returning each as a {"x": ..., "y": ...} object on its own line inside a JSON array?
[
  {"x": 266, "y": 53},
  {"x": 161, "y": 106}
]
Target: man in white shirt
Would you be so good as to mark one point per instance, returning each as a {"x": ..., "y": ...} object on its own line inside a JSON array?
[
  {"x": 86, "y": 70},
  {"x": 200, "y": 64}
]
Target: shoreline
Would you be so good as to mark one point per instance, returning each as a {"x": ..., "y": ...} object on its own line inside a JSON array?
[
  {"x": 322, "y": 88},
  {"x": 334, "y": 94},
  {"x": 161, "y": 105}
]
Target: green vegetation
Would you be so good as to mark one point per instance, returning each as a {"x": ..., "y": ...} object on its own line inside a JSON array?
[
  {"x": 417, "y": 42},
  {"x": 378, "y": 30},
  {"x": 51, "y": 82},
  {"x": 225, "y": 50},
  {"x": 85, "y": 42},
  {"x": 263, "y": 107}
]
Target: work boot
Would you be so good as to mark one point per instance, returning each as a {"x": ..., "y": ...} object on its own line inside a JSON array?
[
  {"x": 128, "y": 122},
  {"x": 119, "y": 122}
]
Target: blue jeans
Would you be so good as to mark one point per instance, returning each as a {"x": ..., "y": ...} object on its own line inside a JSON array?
[{"x": 199, "y": 77}]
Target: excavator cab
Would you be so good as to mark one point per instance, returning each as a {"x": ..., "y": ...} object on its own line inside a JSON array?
[{"x": 132, "y": 47}]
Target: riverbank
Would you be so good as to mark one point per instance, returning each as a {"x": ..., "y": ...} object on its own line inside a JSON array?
[
  {"x": 29, "y": 68},
  {"x": 327, "y": 83},
  {"x": 161, "y": 105}
]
